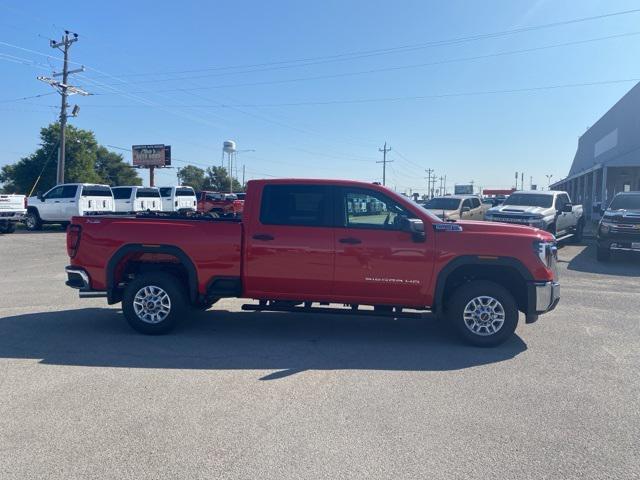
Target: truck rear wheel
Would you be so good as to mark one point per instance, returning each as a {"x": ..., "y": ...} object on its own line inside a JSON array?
[
  {"x": 483, "y": 313},
  {"x": 154, "y": 302},
  {"x": 7, "y": 227}
]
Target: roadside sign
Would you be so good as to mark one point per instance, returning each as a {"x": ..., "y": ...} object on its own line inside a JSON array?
[{"x": 158, "y": 155}]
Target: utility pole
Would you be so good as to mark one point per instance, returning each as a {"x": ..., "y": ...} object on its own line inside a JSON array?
[
  {"x": 384, "y": 162},
  {"x": 243, "y": 172},
  {"x": 522, "y": 180},
  {"x": 65, "y": 90},
  {"x": 516, "y": 180},
  {"x": 429, "y": 172},
  {"x": 531, "y": 182},
  {"x": 445, "y": 184}
]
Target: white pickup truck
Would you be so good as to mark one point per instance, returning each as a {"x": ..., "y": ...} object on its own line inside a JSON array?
[
  {"x": 548, "y": 210},
  {"x": 12, "y": 209},
  {"x": 136, "y": 199},
  {"x": 68, "y": 200},
  {"x": 178, "y": 199}
]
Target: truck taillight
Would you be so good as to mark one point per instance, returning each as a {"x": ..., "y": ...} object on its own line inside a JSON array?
[
  {"x": 73, "y": 240},
  {"x": 24, "y": 201}
]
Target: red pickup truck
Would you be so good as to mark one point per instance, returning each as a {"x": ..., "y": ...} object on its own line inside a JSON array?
[
  {"x": 304, "y": 245},
  {"x": 220, "y": 204}
]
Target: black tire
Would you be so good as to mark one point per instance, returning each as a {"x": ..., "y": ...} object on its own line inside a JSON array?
[
  {"x": 552, "y": 229},
  {"x": 603, "y": 254},
  {"x": 177, "y": 305},
  {"x": 7, "y": 227},
  {"x": 506, "y": 308},
  {"x": 577, "y": 236},
  {"x": 32, "y": 221}
]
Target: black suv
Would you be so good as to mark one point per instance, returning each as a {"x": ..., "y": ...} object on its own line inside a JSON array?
[{"x": 619, "y": 228}]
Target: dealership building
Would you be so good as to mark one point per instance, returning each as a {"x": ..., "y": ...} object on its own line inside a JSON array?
[{"x": 607, "y": 160}]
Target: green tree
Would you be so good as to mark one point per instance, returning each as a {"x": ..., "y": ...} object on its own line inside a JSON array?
[
  {"x": 192, "y": 176},
  {"x": 113, "y": 170},
  {"x": 85, "y": 161},
  {"x": 218, "y": 180}
]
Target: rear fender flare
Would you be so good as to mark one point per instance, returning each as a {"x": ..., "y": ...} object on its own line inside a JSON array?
[{"x": 125, "y": 250}]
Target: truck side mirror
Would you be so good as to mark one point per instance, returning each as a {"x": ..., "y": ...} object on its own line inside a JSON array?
[
  {"x": 414, "y": 226},
  {"x": 568, "y": 208},
  {"x": 466, "y": 209},
  {"x": 40, "y": 196}
]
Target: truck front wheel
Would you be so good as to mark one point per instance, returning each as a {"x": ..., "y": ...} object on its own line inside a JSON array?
[
  {"x": 154, "y": 302},
  {"x": 483, "y": 313},
  {"x": 32, "y": 221}
]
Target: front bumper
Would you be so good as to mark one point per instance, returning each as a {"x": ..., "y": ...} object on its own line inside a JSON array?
[{"x": 543, "y": 297}]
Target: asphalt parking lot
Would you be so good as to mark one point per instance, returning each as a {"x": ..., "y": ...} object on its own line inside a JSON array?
[{"x": 244, "y": 395}]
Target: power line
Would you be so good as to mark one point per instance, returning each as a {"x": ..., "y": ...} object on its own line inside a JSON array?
[
  {"x": 397, "y": 99},
  {"x": 301, "y": 62}
]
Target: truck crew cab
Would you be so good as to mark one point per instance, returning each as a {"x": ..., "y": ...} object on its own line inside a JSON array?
[
  {"x": 65, "y": 201},
  {"x": 619, "y": 228},
  {"x": 304, "y": 243},
  {"x": 178, "y": 199}
]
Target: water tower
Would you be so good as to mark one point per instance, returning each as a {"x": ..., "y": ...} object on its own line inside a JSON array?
[{"x": 229, "y": 149}]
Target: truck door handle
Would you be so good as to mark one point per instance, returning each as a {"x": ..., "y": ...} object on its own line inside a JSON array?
[
  {"x": 350, "y": 240},
  {"x": 263, "y": 237}
]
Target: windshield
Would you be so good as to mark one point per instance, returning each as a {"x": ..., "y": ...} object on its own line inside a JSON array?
[
  {"x": 442, "y": 204},
  {"x": 625, "y": 202},
  {"x": 184, "y": 192},
  {"x": 529, "y": 200}
]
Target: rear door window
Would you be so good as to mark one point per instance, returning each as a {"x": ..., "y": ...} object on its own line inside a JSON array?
[
  {"x": 121, "y": 193},
  {"x": 95, "y": 191},
  {"x": 147, "y": 193},
  {"x": 301, "y": 205},
  {"x": 185, "y": 192},
  {"x": 475, "y": 202}
]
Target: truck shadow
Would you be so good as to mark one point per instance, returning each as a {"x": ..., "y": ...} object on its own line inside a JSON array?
[
  {"x": 284, "y": 343},
  {"x": 625, "y": 264}
]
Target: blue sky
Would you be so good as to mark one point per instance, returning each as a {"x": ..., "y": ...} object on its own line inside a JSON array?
[{"x": 281, "y": 78}]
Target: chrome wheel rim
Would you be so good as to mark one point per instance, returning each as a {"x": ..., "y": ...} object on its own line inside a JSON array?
[
  {"x": 30, "y": 221},
  {"x": 484, "y": 315},
  {"x": 152, "y": 304}
]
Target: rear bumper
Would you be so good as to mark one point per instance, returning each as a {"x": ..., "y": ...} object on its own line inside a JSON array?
[
  {"x": 543, "y": 297},
  {"x": 79, "y": 279},
  {"x": 11, "y": 216}
]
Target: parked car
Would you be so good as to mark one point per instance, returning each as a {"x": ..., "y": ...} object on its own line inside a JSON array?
[
  {"x": 68, "y": 200},
  {"x": 549, "y": 210},
  {"x": 456, "y": 207},
  {"x": 136, "y": 199},
  {"x": 619, "y": 227},
  {"x": 178, "y": 199},
  {"x": 12, "y": 209},
  {"x": 299, "y": 244},
  {"x": 220, "y": 204}
]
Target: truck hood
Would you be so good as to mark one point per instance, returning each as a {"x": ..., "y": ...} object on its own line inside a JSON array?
[
  {"x": 627, "y": 216},
  {"x": 504, "y": 229},
  {"x": 519, "y": 210}
]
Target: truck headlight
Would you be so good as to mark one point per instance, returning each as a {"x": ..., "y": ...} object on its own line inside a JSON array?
[
  {"x": 545, "y": 251},
  {"x": 605, "y": 226}
]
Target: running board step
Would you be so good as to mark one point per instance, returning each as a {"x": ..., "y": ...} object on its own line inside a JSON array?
[{"x": 252, "y": 307}]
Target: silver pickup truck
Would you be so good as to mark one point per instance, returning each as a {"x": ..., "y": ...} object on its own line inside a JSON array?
[{"x": 549, "y": 210}]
